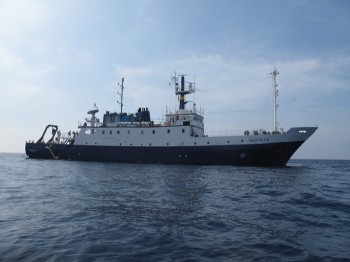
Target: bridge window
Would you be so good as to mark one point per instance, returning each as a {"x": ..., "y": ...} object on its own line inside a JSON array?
[
  {"x": 183, "y": 130},
  {"x": 168, "y": 131}
]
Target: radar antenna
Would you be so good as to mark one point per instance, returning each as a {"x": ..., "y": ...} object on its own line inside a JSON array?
[{"x": 93, "y": 120}]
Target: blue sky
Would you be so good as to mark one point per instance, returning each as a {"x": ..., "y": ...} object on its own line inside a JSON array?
[{"x": 57, "y": 58}]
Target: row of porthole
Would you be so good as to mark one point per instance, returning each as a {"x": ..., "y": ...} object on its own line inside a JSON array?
[
  {"x": 195, "y": 143},
  {"x": 142, "y": 131}
]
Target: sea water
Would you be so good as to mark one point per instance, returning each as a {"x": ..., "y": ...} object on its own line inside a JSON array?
[{"x": 54, "y": 210}]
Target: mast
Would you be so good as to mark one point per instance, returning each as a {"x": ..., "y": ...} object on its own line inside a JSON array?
[
  {"x": 274, "y": 73},
  {"x": 183, "y": 91},
  {"x": 182, "y": 94},
  {"x": 121, "y": 95}
]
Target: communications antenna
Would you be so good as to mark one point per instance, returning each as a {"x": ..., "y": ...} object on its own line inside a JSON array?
[
  {"x": 273, "y": 74},
  {"x": 121, "y": 95}
]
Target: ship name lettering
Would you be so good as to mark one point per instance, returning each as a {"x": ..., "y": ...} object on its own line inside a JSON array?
[{"x": 259, "y": 140}]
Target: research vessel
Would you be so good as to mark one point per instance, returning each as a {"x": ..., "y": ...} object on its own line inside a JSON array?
[{"x": 180, "y": 139}]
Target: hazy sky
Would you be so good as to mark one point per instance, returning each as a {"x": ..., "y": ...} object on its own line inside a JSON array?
[{"x": 57, "y": 58}]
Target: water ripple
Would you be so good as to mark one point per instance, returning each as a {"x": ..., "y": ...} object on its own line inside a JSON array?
[{"x": 77, "y": 211}]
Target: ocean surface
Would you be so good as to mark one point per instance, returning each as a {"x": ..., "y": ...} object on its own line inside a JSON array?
[{"x": 53, "y": 210}]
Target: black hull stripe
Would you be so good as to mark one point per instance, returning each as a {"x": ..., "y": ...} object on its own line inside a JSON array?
[{"x": 274, "y": 154}]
